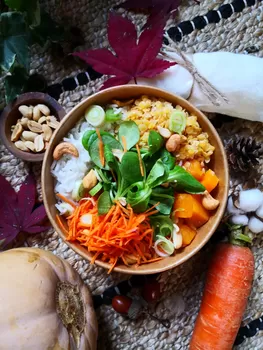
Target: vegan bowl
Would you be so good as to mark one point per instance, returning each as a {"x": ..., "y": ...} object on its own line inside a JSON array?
[{"x": 135, "y": 179}]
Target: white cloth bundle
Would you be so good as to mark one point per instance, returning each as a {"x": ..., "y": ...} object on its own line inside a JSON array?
[{"x": 238, "y": 77}]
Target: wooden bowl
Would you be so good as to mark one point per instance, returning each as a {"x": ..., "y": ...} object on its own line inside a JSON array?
[
  {"x": 11, "y": 113},
  {"x": 218, "y": 164}
]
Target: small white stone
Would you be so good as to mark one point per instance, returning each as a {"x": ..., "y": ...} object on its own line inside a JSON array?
[
  {"x": 239, "y": 220},
  {"x": 250, "y": 200},
  {"x": 255, "y": 225},
  {"x": 259, "y": 211}
]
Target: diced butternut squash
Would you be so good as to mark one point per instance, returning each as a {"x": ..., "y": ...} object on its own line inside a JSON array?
[
  {"x": 195, "y": 169},
  {"x": 187, "y": 233},
  {"x": 210, "y": 180},
  {"x": 200, "y": 214},
  {"x": 183, "y": 205}
]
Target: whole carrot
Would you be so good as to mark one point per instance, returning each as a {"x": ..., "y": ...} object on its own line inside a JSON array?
[{"x": 227, "y": 288}]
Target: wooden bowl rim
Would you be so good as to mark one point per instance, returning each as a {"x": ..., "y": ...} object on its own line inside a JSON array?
[
  {"x": 22, "y": 99},
  {"x": 150, "y": 91}
]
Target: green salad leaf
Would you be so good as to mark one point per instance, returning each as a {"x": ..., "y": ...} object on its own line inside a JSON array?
[
  {"x": 157, "y": 174},
  {"x": 165, "y": 198},
  {"x": 138, "y": 196},
  {"x": 130, "y": 131},
  {"x": 130, "y": 167},
  {"x": 94, "y": 152},
  {"x": 104, "y": 203},
  {"x": 155, "y": 141},
  {"x": 184, "y": 182}
]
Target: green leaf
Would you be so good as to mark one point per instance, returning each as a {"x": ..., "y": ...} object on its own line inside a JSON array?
[
  {"x": 138, "y": 196},
  {"x": 130, "y": 168},
  {"x": 87, "y": 137},
  {"x": 157, "y": 174},
  {"x": 13, "y": 40},
  {"x": 15, "y": 84},
  {"x": 155, "y": 141},
  {"x": 94, "y": 152},
  {"x": 184, "y": 182},
  {"x": 31, "y": 7},
  {"x": 104, "y": 203},
  {"x": 47, "y": 30},
  {"x": 130, "y": 131},
  {"x": 165, "y": 198},
  {"x": 162, "y": 225}
]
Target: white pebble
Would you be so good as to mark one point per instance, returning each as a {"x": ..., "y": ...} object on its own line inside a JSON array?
[
  {"x": 259, "y": 211},
  {"x": 250, "y": 200},
  {"x": 239, "y": 220},
  {"x": 232, "y": 209},
  {"x": 255, "y": 225}
]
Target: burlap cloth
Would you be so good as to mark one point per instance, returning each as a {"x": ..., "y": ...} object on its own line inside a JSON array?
[{"x": 182, "y": 287}]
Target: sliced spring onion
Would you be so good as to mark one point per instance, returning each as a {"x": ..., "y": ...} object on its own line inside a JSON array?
[
  {"x": 95, "y": 189},
  {"x": 177, "y": 237},
  {"x": 95, "y": 115},
  {"x": 65, "y": 209},
  {"x": 78, "y": 191},
  {"x": 112, "y": 115},
  {"x": 166, "y": 246},
  {"x": 177, "y": 122}
]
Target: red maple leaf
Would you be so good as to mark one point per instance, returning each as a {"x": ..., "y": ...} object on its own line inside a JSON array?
[
  {"x": 18, "y": 213},
  {"x": 134, "y": 57},
  {"x": 158, "y": 9}
]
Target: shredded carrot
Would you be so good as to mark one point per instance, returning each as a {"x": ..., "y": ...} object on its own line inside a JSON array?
[
  {"x": 66, "y": 200},
  {"x": 101, "y": 148},
  {"x": 140, "y": 159},
  {"x": 124, "y": 142},
  {"x": 61, "y": 224},
  {"x": 120, "y": 236}
]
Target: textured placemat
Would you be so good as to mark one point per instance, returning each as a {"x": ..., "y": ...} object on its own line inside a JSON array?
[{"x": 182, "y": 287}]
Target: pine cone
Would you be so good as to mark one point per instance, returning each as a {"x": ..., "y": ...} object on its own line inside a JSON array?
[{"x": 243, "y": 153}]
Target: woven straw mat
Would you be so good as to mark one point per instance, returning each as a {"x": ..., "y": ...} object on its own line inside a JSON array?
[{"x": 182, "y": 286}]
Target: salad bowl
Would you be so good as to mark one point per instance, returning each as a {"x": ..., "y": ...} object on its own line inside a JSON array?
[{"x": 218, "y": 164}]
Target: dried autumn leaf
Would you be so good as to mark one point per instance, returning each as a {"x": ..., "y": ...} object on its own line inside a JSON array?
[
  {"x": 158, "y": 9},
  {"x": 17, "y": 211},
  {"x": 134, "y": 57}
]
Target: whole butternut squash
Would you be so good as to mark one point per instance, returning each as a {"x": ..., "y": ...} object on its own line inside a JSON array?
[{"x": 44, "y": 305}]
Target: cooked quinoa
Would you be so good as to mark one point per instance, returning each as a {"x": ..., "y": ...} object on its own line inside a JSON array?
[{"x": 150, "y": 112}]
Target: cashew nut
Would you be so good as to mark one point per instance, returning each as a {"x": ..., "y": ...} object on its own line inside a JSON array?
[
  {"x": 209, "y": 202},
  {"x": 165, "y": 133},
  {"x": 90, "y": 180},
  {"x": 65, "y": 148},
  {"x": 173, "y": 143}
]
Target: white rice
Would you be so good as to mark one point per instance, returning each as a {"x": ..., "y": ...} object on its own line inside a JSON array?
[{"x": 68, "y": 170}]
